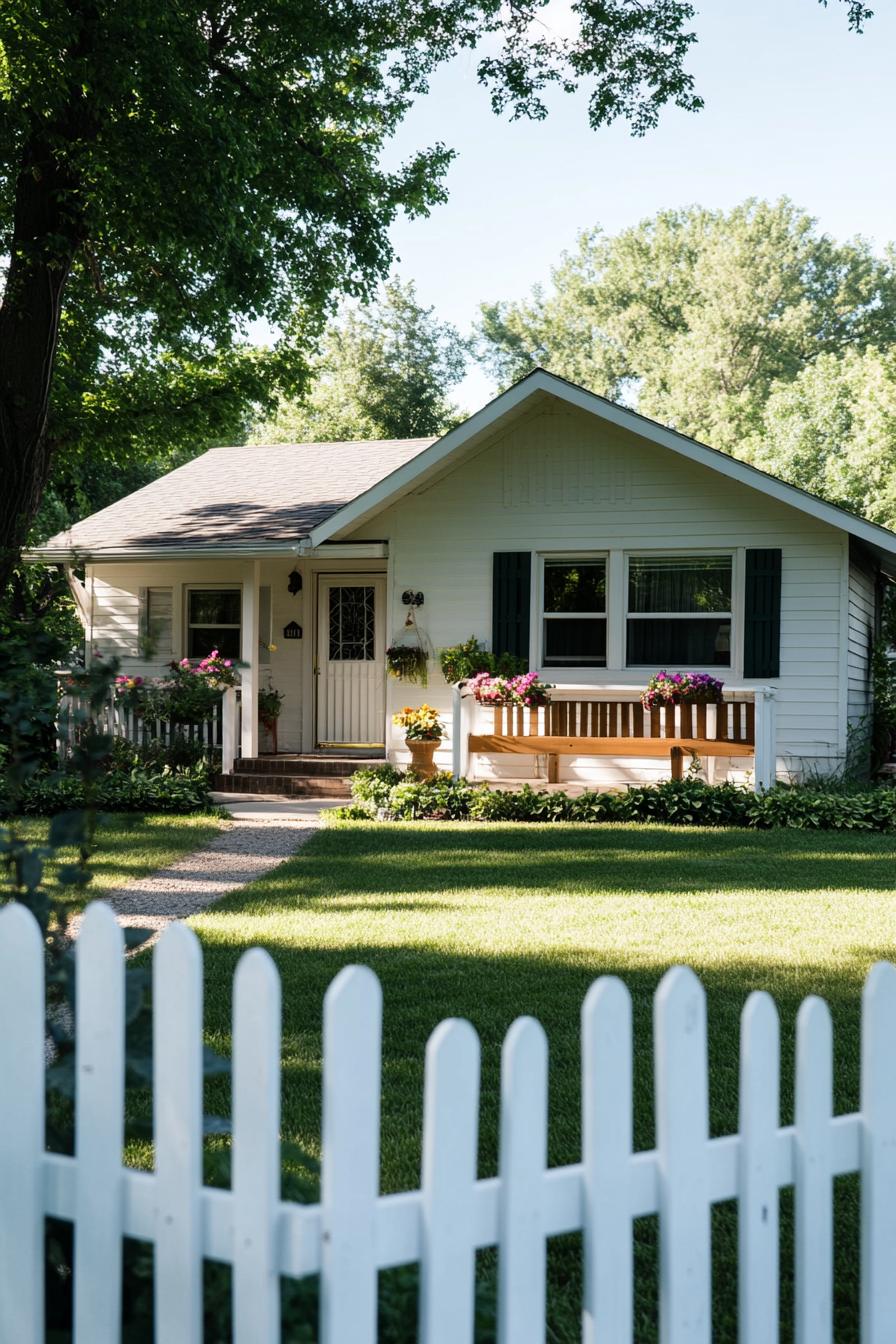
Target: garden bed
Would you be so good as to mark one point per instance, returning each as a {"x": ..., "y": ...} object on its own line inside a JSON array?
[{"x": 385, "y": 794}]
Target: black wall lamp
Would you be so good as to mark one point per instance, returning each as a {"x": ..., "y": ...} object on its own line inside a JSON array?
[
  {"x": 412, "y": 599},
  {"x": 295, "y": 582}
]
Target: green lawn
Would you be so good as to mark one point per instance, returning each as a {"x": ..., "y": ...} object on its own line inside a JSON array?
[
  {"x": 489, "y": 922},
  {"x": 128, "y": 845}
]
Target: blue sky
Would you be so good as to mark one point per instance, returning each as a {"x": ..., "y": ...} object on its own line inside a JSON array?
[{"x": 795, "y": 105}]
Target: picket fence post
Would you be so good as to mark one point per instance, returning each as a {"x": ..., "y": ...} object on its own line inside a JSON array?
[
  {"x": 522, "y": 1253},
  {"x": 878, "y": 1107},
  {"x": 99, "y": 1126},
  {"x": 450, "y": 1129},
  {"x": 682, "y": 1133},
  {"x": 256, "y": 1149},
  {"x": 177, "y": 1125},
  {"x": 21, "y": 1128},
  {"x": 606, "y": 1155},
  {"x": 350, "y": 1173},
  {"x": 354, "y": 1232}
]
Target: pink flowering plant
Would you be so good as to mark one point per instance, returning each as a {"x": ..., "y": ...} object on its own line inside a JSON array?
[
  {"x": 682, "y": 688},
  {"x": 188, "y": 694},
  {"x": 129, "y": 691},
  {"x": 525, "y": 689}
]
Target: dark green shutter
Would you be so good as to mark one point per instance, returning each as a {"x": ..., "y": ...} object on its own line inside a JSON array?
[
  {"x": 762, "y": 614},
  {"x": 511, "y": 587}
]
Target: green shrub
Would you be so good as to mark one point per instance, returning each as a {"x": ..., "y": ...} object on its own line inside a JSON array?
[
  {"x": 138, "y": 790},
  {"x": 462, "y": 661},
  {"x": 385, "y": 793},
  {"x": 156, "y": 756},
  {"x": 370, "y": 786}
]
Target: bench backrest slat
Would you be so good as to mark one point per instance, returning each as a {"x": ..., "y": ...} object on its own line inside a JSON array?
[{"x": 733, "y": 721}]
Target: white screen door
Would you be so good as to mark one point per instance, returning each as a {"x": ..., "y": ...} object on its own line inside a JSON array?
[{"x": 351, "y": 661}]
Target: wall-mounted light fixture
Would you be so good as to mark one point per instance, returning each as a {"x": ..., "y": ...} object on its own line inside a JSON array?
[
  {"x": 295, "y": 582},
  {"x": 412, "y": 599}
]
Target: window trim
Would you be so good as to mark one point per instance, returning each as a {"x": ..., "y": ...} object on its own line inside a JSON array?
[
  {"x": 696, "y": 552},
  {"x": 570, "y": 557},
  {"x": 208, "y": 625}
]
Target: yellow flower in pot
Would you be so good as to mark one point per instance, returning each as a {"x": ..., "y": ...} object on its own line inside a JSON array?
[{"x": 422, "y": 733}]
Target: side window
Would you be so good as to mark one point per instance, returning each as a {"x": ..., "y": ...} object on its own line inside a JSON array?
[
  {"x": 574, "y": 613},
  {"x": 213, "y": 622},
  {"x": 679, "y": 611},
  {"x": 156, "y": 624}
]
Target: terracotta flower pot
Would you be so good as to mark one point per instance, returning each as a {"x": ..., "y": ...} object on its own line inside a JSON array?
[{"x": 421, "y": 757}]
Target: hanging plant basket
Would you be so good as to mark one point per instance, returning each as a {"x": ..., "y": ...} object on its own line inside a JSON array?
[{"x": 407, "y": 662}]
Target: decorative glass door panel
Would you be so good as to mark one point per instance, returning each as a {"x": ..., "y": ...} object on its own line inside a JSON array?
[{"x": 351, "y": 686}]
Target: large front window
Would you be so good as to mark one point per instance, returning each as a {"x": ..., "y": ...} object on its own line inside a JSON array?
[
  {"x": 213, "y": 622},
  {"x": 679, "y": 611},
  {"x": 574, "y": 610}
]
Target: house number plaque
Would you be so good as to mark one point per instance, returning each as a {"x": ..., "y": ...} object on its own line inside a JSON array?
[{"x": 292, "y": 631}]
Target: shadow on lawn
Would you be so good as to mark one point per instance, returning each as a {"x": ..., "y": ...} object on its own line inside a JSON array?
[
  {"x": 421, "y": 986},
  {"x": 520, "y": 859},
  {"x": 425, "y": 980}
]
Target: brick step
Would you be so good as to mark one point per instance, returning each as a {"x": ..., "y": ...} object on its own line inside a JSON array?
[
  {"x": 332, "y": 766},
  {"x": 307, "y": 786}
]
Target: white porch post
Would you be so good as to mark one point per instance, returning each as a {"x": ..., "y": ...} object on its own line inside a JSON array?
[
  {"x": 766, "y": 757},
  {"x": 249, "y": 657},
  {"x": 228, "y": 730}
]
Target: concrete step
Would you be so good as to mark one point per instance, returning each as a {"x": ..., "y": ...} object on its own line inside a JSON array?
[
  {"x": 307, "y": 765},
  {"x": 263, "y": 782}
]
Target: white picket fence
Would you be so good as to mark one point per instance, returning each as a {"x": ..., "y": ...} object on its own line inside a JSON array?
[
  {"x": 355, "y": 1231},
  {"x": 114, "y": 719}
]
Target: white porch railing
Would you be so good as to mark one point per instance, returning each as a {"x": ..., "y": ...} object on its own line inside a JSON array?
[
  {"x": 354, "y": 1231},
  {"x": 114, "y": 719},
  {"x": 469, "y": 717}
]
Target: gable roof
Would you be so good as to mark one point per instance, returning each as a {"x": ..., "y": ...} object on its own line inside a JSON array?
[
  {"x": 278, "y": 498},
  {"x": 541, "y": 384},
  {"x": 237, "y": 499}
]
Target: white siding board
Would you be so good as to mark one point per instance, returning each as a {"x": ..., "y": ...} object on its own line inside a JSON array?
[{"x": 861, "y": 617}]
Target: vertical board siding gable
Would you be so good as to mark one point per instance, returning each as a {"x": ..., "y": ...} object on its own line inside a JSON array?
[
  {"x": 762, "y": 613},
  {"x": 511, "y": 586}
]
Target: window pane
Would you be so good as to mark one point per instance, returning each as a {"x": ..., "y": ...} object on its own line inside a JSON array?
[
  {"x": 204, "y": 639},
  {"x": 575, "y": 585},
  {"x": 575, "y": 643},
  {"x": 351, "y": 624},
  {"x": 209, "y": 606},
  {"x": 679, "y": 583},
  {"x": 682, "y": 643}
]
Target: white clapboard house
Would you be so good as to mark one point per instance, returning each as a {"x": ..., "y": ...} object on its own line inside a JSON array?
[{"x": 598, "y": 544}]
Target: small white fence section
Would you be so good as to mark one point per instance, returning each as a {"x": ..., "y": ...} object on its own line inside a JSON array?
[
  {"x": 115, "y": 719},
  {"x": 355, "y": 1231}
]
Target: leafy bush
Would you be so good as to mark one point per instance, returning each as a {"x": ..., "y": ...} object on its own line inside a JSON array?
[
  {"x": 385, "y": 793},
  {"x": 137, "y": 790},
  {"x": 462, "y": 661},
  {"x": 156, "y": 756}
]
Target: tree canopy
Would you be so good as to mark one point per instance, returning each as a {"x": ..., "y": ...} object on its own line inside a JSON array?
[
  {"x": 695, "y": 315},
  {"x": 171, "y": 170},
  {"x": 832, "y": 430},
  {"x": 385, "y": 371}
]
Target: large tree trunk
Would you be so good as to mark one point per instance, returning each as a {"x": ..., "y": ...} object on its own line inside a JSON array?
[{"x": 46, "y": 234}]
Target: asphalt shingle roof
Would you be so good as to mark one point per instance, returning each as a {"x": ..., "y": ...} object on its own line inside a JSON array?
[{"x": 255, "y": 495}]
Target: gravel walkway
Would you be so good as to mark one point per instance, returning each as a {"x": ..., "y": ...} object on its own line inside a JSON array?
[{"x": 245, "y": 849}]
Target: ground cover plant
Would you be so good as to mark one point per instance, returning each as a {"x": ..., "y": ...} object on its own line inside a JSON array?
[
  {"x": 385, "y": 793},
  {"x": 490, "y": 922}
]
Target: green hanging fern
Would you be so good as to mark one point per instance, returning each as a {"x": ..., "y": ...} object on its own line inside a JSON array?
[{"x": 407, "y": 662}]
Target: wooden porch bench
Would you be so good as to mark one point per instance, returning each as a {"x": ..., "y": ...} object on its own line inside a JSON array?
[{"x": 620, "y": 728}]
